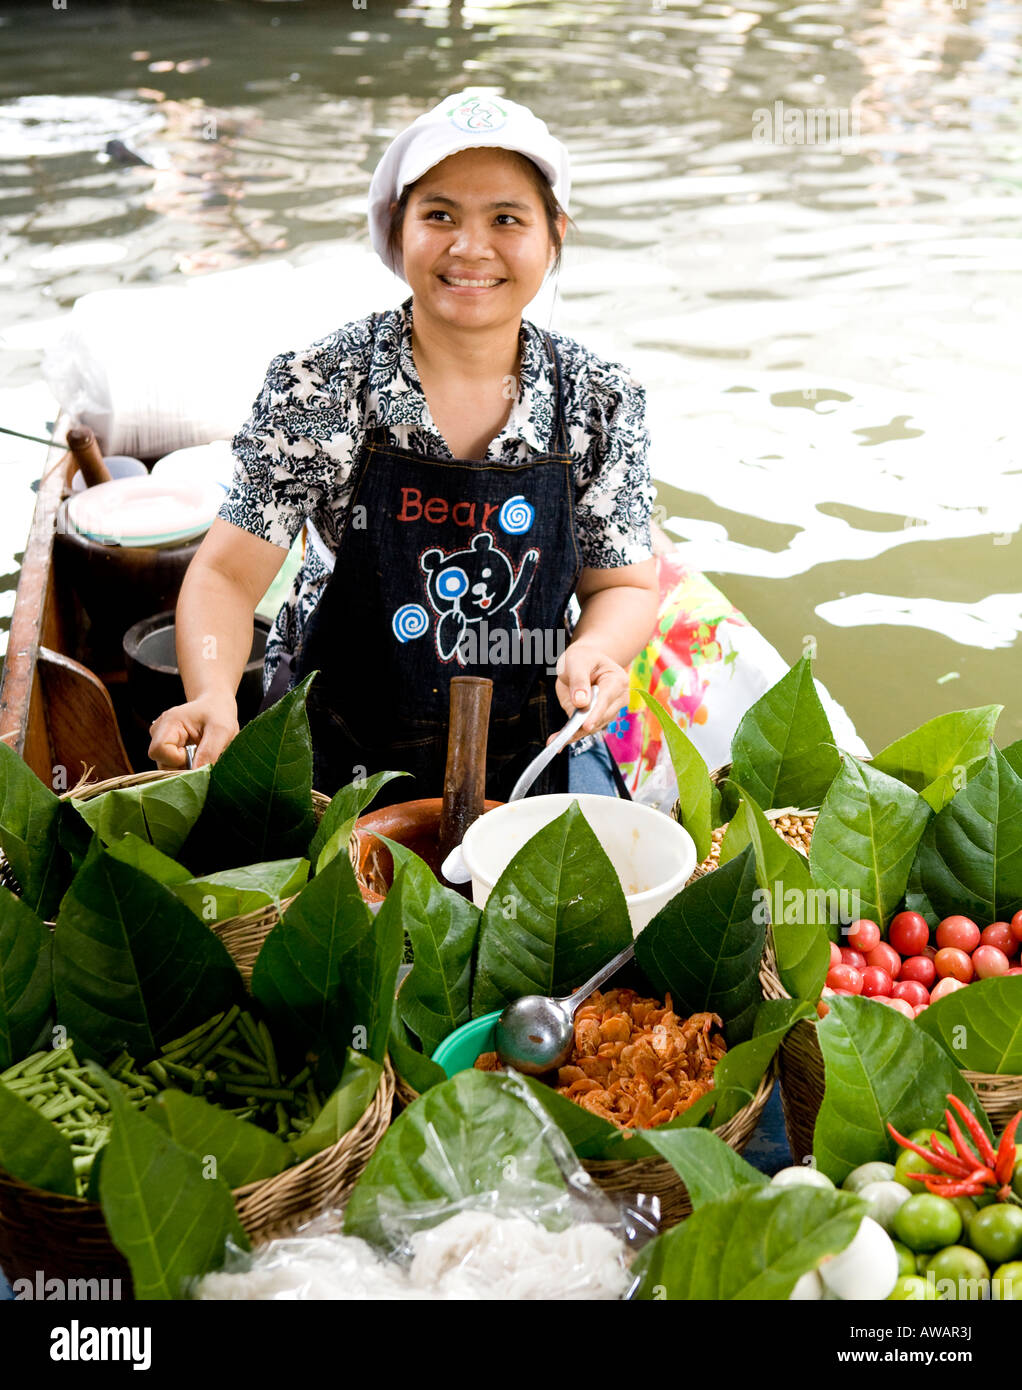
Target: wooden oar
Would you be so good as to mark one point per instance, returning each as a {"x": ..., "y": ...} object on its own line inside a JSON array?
[
  {"x": 88, "y": 455},
  {"x": 465, "y": 774}
]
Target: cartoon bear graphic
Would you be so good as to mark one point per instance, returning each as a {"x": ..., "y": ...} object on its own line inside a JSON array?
[{"x": 469, "y": 585}]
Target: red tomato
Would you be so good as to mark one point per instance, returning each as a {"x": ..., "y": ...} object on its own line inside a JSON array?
[
  {"x": 898, "y": 1004},
  {"x": 988, "y": 961},
  {"x": 919, "y": 968},
  {"x": 822, "y": 1009},
  {"x": 950, "y": 960},
  {"x": 959, "y": 932},
  {"x": 875, "y": 981},
  {"x": 853, "y": 958},
  {"x": 863, "y": 935},
  {"x": 911, "y": 991},
  {"x": 999, "y": 934},
  {"x": 947, "y": 985},
  {"x": 919, "y": 1008},
  {"x": 1015, "y": 970},
  {"x": 835, "y": 953},
  {"x": 1016, "y": 925},
  {"x": 885, "y": 958},
  {"x": 845, "y": 977},
  {"x": 908, "y": 933},
  {"x": 929, "y": 952}
]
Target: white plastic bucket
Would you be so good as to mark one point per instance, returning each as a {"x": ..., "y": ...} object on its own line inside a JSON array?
[{"x": 652, "y": 854}]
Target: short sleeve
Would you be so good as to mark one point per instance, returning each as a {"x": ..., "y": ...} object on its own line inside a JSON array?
[
  {"x": 615, "y": 493},
  {"x": 291, "y": 455}
]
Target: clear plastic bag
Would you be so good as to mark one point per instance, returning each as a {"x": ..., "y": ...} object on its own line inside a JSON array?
[{"x": 523, "y": 1239}]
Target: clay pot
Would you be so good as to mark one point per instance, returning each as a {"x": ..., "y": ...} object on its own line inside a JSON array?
[{"x": 414, "y": 824}]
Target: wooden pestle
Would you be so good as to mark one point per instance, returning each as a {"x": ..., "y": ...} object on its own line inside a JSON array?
[
  {"x": 87, "y": 455},
  {"x": 465, "y": 774}
]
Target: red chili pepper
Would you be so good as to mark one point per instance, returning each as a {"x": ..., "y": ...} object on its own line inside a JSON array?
[
  {"x": 1005, "y": 1164},
  {"x": 945, "y": 1161},
  {"x": 958, "y": 1138},
  {"x": 944, "y": 1152},
  {"x": 976, "y": 1130},
  {"x": 963, "y": 1188}
]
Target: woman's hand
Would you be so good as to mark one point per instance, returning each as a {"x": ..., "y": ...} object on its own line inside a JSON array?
[
  {"x": 581, "y": 666},
  {"x": 209, "y": 722}
]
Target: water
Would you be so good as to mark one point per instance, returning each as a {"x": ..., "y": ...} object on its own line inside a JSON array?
[{"x": 823, "y": 309}]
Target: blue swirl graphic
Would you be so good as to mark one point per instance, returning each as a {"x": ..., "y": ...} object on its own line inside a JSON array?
[
  {"x": 516, "y": 516},
  {"x": 452, "y": 583},
  {"x": 411, "y": 620}
]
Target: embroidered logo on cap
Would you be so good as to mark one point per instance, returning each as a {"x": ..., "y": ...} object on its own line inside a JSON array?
[{"x": 478, "y": 115}]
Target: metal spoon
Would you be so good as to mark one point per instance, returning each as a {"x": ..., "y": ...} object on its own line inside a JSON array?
[
  {"x": 548, "y": 754},
  {"x": 535, "y": 1034}
]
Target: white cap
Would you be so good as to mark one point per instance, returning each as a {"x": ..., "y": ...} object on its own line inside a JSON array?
[{"x": 464, "y": 121}]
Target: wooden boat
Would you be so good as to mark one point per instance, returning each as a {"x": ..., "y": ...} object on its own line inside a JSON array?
[{"x": 63, "y": 694}]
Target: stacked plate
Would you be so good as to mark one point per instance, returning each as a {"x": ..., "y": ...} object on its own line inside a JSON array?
[{"x": 150, "y": 511}]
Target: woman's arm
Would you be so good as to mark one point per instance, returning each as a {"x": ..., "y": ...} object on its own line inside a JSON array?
[
  {"x": 227, "y": 577},
  {"x": 619, "y": 608}
]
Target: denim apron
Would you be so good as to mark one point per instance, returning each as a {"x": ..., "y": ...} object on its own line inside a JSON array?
[{"x": 445, "y": 567}]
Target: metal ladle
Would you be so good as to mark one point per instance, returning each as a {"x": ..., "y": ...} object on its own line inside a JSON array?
[{"x": 535, "y": 1034}]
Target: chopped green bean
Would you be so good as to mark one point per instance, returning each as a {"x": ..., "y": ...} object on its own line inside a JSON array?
[
  {"x": 220, "y": 1031},
  {"x": 75, "y": 1081},
  {"x": 261, "y": 1092},
  {"x": 187, "y": 1039}
]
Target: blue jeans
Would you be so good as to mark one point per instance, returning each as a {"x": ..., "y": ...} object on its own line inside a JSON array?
[{"x": 590, "y": 771}]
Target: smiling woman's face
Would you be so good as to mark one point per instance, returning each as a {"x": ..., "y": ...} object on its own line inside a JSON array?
[{"x": 476, "y": 216}]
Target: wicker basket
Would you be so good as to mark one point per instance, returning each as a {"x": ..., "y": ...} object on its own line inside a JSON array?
[
  {"x": 657, "y": 1177},
  {"x": 243, "y": 936},
  {"x": 66, "y": 1237}
]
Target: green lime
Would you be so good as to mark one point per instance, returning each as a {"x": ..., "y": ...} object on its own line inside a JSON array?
[
  {"x": 868, "y": 1172},
  {"x": 959, "y": 1273},
  {"x": 996, "y": 1232},
  {"x": 927, "y": 1222},
  {"x": 1007, "y": 1282},
  {"x": 1016, "y": 1181},
  {"x": 910, "y": 1287},
  {"x": 924, "y": 1136},
  {"x": 906, "y": 1259},
  {"x": 909, "y": 1162},
  {"x": 967, "y": 1209}
]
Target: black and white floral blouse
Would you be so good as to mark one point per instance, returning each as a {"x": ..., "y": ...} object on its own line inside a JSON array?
[{"x": 296, "y": 454}]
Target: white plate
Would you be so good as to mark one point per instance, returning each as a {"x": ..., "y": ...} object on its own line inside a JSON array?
[{"x": 145, "y": 511}]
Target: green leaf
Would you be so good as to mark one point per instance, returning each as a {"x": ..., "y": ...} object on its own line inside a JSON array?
[
  {"x": 169, "y": 1220},
  {"x": 1013, "y": 756},
  {"x": 865, "y": 840},
  {"x": 755, "y": 1244},
  {"x": 243, "y": 1152},
  {"x": 259, "y": 805},
  {"x": 705, "y": 947},
  {"x": 235, "y": 892},
  {"x": 344, "y": 1107},
  {"x": 326, "y": 972},
  {"x": 132, "y": 968},
  {"x": 709, "y": 1168},
  {"x": 980, "y": 1028},
  {"x": 880, "y": 1069},
  {"x": 736, "y": 838},
  {"x": 343, "y": 811},
  {"x": 930, "y": 757},
  {"x": 694, "y": 786},
  {"x": 32, "y": 1148},
  {"x": 420, "y": 1072},
  {"x": 467, "y": 1137},
  {"x": 556, "y": 914},
  {"x": 141, "y": 855},
  {"x": 26, "y": 987},
  {"x": 782, "y": 752},
  {"x": 161, "y": 813},
  {"x": 443, "y": 927},
  {"x": 794, "y": 906},
  {"x": 30, "y": 818},
  {"x": 970, "y": 858},
  {"x": 737, "y": 1075}
]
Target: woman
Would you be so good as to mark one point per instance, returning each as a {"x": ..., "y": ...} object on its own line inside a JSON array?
[{"x": 462, "y": 475}]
